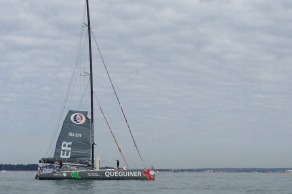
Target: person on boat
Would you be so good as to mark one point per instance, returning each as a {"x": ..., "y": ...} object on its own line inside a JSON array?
[{"x": 118, "y": 164}]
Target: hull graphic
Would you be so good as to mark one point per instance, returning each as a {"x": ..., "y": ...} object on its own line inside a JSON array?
[{"x": 144, "y": 174}]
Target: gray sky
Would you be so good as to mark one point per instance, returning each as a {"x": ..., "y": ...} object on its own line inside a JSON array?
[{"x": 204, "y": 83}]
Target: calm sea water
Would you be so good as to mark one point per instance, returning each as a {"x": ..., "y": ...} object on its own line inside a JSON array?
[{"x": 165, "y": 183}]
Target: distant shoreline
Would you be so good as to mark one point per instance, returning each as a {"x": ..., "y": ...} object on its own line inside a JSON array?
[
  {"x": 19, "y": 167},
  {"x": 34, "y": 167},
  {"x": 230, "y": 170}
]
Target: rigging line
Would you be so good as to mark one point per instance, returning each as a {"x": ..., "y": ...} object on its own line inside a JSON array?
[
  {"x": 57, "y": 125},
  {"x": 62, "y": 112},
  {"x": 135, "y": 144},
  {"x": 73, "y": 77},
  {"x": 81, "y": 54},
  {"x": 120, "y": 150},
  {"x": 82, "y": 98}
]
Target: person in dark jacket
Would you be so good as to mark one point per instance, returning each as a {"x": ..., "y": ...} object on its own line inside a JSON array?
[{"x": 118, "y": 164}]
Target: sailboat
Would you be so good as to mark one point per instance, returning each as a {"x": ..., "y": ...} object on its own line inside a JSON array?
[{"x": 74, "y": 152}]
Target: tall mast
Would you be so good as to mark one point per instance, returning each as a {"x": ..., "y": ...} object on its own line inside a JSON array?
[{"x": 91, "y": 85}]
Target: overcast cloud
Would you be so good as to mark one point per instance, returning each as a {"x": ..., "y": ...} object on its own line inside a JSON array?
[{"x": 204, "y": 83}]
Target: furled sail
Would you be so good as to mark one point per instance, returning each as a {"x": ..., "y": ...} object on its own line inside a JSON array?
[{"x": 74, "y": 142}]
